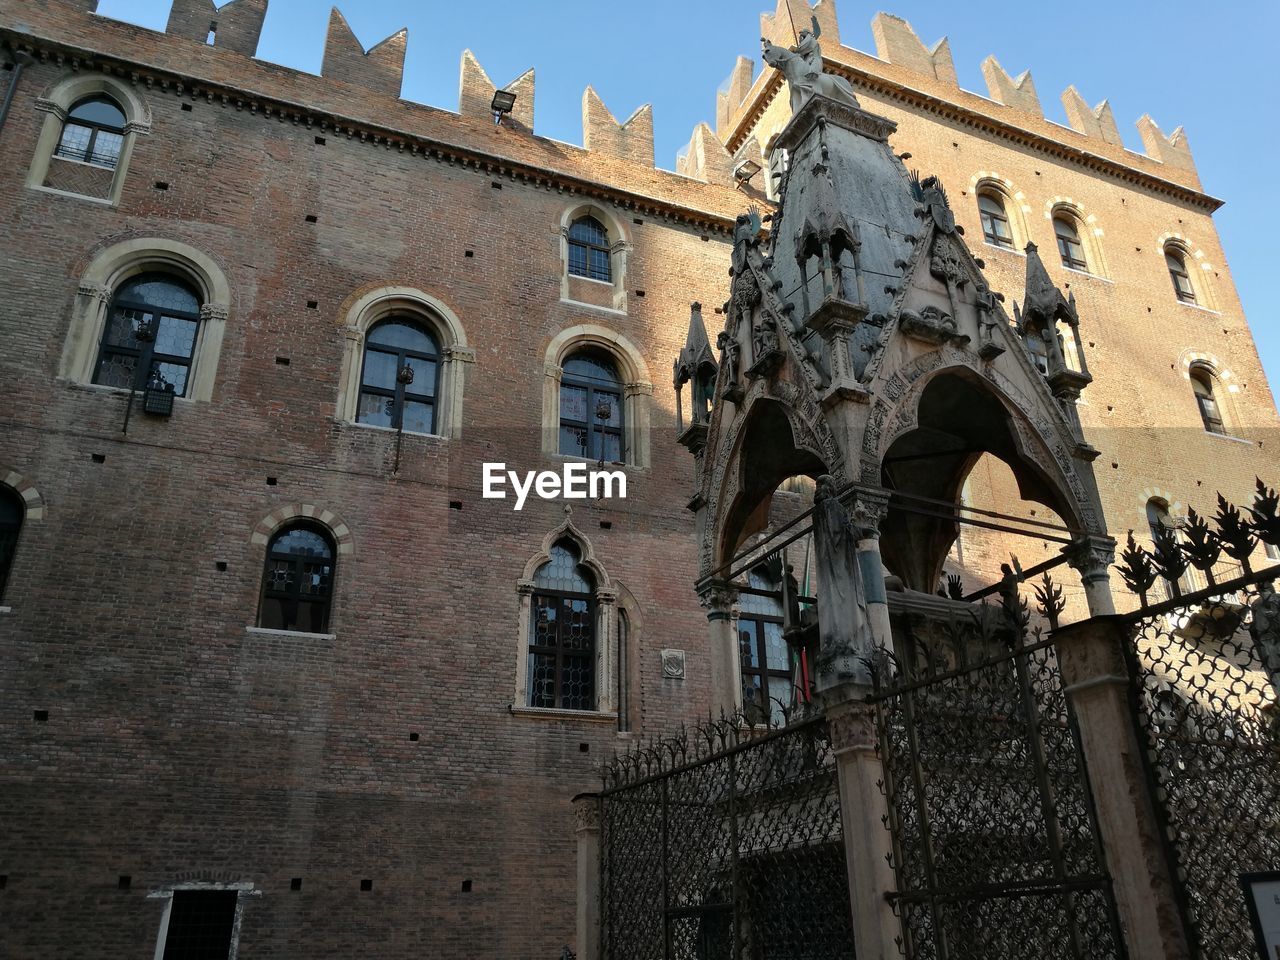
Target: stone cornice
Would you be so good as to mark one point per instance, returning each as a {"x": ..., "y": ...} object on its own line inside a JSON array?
[
  {"x": 770, "y": 84},
  {"x": 46, "y": 49}
]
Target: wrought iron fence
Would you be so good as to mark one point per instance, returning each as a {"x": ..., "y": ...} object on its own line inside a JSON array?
[
  {"x": 996, "y": 850},
  {"x": 725, "y": 843},
  {"x": 1205, "y": 670}
]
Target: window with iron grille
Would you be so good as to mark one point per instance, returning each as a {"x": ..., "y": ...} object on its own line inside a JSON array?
[
  {"x": 1202, "y": 385},
  {"x": 562, "y": 637},
  {"x": 591, "y": 407},
  {"x": 995, "y": 221},
  {"x": 400, "y": 377},
  {"x": 297, "y": 586},
  {"x": 589, "y": 250},
  {"x": 1069, "y": 246},
  {"x": 201, "y": 925},
  {"x": 12, "y": 512},
  {"x": 763, "y": 653},
  {"x": 93, "y": 133},
  {"x": 1177, "y": 264},
  {"x": 150, "y": 334}
]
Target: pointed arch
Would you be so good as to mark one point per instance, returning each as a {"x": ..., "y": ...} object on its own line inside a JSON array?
[{"x": 599, "y": 603}]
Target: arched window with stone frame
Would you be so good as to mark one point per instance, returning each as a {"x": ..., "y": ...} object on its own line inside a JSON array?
[
  {"x": 150, "y": 335},
  {"x": 1066, "y": 229},
  {"x": 593, "y": 258},
  {"x": 567, "y": 636},
  {"x": 386, "y": 330},
  {"x": 13, "y": 511},
  {"x": 1184, "y": 287},
  {"x": 400, "y": 379},
  {"x": 586, "y": 365},
  {"x": 148, "y": 305},
  {"x": 298, "y": 579},
  {"x": 92, "y": 122},
  {"x": 1206, "y": 389}
]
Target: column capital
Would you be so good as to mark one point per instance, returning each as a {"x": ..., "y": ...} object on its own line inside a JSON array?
[
  {"x": 586, "y": 813},
  {"x": 524, "y": 587},
  {"x": 718, "y": 597},
  {"x": 96, "y": 292},
  {"x": 852, "y": 724},
  {"x": 867, "y": 511},
  {"x": 1091, "y": 556}
]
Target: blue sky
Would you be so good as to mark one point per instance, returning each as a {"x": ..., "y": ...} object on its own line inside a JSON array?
[{"x": 1212, "y": 74}]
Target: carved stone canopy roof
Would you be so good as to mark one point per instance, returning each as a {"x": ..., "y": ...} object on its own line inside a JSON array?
[{"x": 697, "y": 348}]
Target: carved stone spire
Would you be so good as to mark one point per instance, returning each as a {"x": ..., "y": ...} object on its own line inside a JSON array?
[
  {"x": 696, "y": 351},
  {"x": 1043, "y": 305},
  {"x": 696, "y": 364}
]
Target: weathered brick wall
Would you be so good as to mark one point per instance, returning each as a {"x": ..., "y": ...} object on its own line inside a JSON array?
[
  {"x": 180, "y": 745},
  {"x": 177, "y": 743}
]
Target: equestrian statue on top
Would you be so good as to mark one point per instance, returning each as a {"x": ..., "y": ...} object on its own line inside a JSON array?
[{"x": 801, "y": 65}]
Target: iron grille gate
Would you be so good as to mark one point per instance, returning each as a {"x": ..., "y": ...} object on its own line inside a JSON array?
[
  {"x": 1205, "y": 671},
  {"x": 995, "y": 847},
  {"x": 720, "y": 845}
]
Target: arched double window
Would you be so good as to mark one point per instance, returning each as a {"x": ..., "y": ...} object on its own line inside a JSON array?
[
  {"x": 400, "y": 378},
  {"x": 995, "y": 219},
  {"x": 12, "y": 513},
  {"x": 1183, "y": 286},
  {"x": 150, "y": 334},
  {"x": 562, "y": 635},
  {"x": 591, "y": 407},
  {"x": 589, "y": 253},
  {"x": 297, "y": 585},
  {"x": 93, "y": 132},
  {"x": 1070, "y": 248},
  {"x": 763, "y": 655},
  {"x": 1203, "y": 385}
]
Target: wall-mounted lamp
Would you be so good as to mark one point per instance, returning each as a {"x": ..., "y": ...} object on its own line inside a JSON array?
[
  {"x": 503, "y": 102},
  {"x": 744, "y": 171}
]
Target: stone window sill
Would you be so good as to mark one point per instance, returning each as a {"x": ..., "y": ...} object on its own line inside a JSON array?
[
  {"x": 548, "y": 713},
  {"x": 1227, "y": 436},
  {"x": 75, "y": 196},
  {"x": 592, "y": 306},
  {"x": 4, "y": 610},
  {"x": 1202, "y": 309},
  {"x": 1086, "y": 273},
  {"x": 995, "y": 246},
  {"x": 407, "y": 433},
  {"x": 297, "y": 634}
]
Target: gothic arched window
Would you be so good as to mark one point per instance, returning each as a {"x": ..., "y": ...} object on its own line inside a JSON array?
[
  {"x": 1202, "y": 385},
  {"x": 763, "y": 654},
  {"x": 297, "y": 585},
  {"x": 995, "y": 220},
  {"x": 93, "y": 133},
  {"x": 589, "y": 254},
  {"x": 562, "y": 636},
  {"x": 591, "y": 423},
  {"x": 150, "y": 333},
  {"x": 1070, "y": 248},
  {"x": 12, "y": 513},
  {"x": 1176, "y": 261},
  {"x": 400, "y": 378}
]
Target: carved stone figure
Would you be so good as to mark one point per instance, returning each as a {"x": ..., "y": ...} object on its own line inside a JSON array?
[
  {"x": 844, "y": 625},
  {"x": 730, "y": 362},
  {"x": 802, "y": 67},
  {"x": 1265, "y": 630},
  {"x": 985, "y": 302},
  {"x": 764, "y": 338}
]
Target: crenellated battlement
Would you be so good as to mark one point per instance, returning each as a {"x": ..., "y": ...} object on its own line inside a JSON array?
[
  {"x": 235, "y": 26},
  {"x": 903, "y": 64},
  {"x": 476, "y": 90},
  {"x": 380, "y": 68}
]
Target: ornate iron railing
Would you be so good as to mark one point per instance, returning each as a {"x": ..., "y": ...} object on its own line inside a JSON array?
[
  {"x": 1205, "y": 670},
  {"x": 995, "y": 847},
  {"x": 725, "y": 843}
]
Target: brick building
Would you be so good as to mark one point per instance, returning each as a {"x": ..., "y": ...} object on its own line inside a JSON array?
[{"x": 272, "y": 659}]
